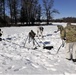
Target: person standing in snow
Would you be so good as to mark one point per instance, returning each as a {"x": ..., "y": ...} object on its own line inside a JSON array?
[
  {"x": 62, "y": 33},
  {"x": 40, "y": 30},
  {"x": 69, "y": 35}
]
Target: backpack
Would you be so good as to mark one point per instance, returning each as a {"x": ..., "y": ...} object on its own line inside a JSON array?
[
  {"x": 0, "y": 34},
  {"x": 32, "y": 34}
]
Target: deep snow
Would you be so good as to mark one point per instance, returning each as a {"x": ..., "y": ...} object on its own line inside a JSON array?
[{"x": 16, "y": 57}]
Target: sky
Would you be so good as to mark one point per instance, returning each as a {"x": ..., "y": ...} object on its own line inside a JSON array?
[{"x": 67, "y": 8}]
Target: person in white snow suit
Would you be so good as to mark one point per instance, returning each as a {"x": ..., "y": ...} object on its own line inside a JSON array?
[{"x": 40, "y": 31}]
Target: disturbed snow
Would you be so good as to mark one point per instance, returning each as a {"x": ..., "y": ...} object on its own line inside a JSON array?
[{"x": 18, "y": 57}]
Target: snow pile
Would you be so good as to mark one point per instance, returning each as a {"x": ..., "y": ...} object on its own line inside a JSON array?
[{"x": 18, "y": 57}]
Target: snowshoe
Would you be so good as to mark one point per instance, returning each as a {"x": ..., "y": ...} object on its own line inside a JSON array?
[
  {"x": 0, "y": 39},
  {"x": 47, "y": 47},
  {"x": 34, "y": 48}
]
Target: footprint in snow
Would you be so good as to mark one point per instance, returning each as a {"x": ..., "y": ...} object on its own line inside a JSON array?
[
  {"x": 18, "y": 69},
  {"x": 11, "y": 67},
  {"x": 56, "y": 64},
  {"x": 34, "y": 65},
  {"x": 0, "y": 72},
  {"x": 47, "y": 64},
  {"x": 53, "y": 69},
  {"x": 22, "y": 68}
]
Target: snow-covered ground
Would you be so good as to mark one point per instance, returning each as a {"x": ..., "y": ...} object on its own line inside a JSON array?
[{"x": 18, "y": 57}]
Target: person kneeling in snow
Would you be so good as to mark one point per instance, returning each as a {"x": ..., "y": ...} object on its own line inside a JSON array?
[
  {"x": 69, "y": 35},
  {"x": 0, "y": 35}
]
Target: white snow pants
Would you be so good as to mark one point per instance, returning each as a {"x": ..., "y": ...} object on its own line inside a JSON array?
[
  {"x": 39, "y": 32},
  {"x": 71, "y": 50}
]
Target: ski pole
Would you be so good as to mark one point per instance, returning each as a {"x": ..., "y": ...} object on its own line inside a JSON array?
[
  {"x": 26, "y": 40},
  {"x": 37, "y": 42}
]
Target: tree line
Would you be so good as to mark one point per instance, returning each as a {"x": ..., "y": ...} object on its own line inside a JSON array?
[
  {"x": 65, "y": 19},
  {"x": 27, "y": 12}
]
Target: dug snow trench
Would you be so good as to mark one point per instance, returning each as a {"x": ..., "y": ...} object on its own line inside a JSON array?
[{"x": 16, "y": 57}]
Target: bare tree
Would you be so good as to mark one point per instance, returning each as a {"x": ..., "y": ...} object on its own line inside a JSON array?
[
  {"x": 39, "y": 12},
  {"x": 2, "y": 9},
  {"x": 34, "y": 11},
  {"x": 13, "y": 7},
  {"x": 25, "y": 11},
  {"x": 9, "y": 4},
  {"x": 15, "y": 10},
  {"x": 48, "y": 5},
  {"x": 29, "y": 10}
]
